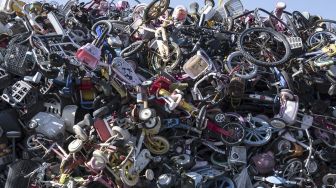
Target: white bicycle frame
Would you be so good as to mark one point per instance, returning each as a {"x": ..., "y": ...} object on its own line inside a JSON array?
[
  {"x": 163, "y": 44},
  {"x": 5, "y": 5}
]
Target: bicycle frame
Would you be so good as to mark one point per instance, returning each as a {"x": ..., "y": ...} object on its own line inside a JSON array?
[
  {"x": 192, "y": 110},
  {"x": 161, "y": 44},
  {"x": 325, "y": 52}
]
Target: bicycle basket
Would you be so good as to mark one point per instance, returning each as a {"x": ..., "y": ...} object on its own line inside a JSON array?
[
  {"x": 233, "y": 8},
  {"x": 295, "y": 42},
  {"x": 2, "y": 55},
  {"x": 20, "y": 95},
  {"x": 197, "y": 65},
  {"x": 18, "y": 60}
]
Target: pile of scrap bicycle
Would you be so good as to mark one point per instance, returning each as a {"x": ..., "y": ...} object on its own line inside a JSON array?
[{"x": 102, "y": 94}]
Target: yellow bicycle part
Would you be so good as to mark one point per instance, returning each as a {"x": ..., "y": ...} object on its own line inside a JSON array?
[
  {"x": 126, "y": 176},
  {"x": 183, "y": 104},
  {"x": 119, "y": 89},
  {"x": 64, "y": 178},
  {"x": 17, "y": 7},
  {"x": 105, "y": 73},
  {"x": 330, "y": 50},
  {"x": 157, "y": 145},
  {"x": 211, "y": 23},
  {"x": 88, "y": 95}
]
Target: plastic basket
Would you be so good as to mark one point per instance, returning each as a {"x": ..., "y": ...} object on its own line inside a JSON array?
[
  {"x": 18, "y": 60},
  {"x": 197, "y": 65},
  {"x": 20, "y": 95},
  {"x": 234, "y": 8},
  {"x": 46, "y": 86},
  {"x": 295, "y": 42}
]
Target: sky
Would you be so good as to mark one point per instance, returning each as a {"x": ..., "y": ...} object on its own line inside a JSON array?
[{"x": 324, "y": 8}]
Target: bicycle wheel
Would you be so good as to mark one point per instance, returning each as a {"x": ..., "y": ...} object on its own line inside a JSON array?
[
  {"x": 326, "y": 137},
  {"x": 291, "y": 25},
  {"x": 33, "y": 142},
  {"x": 127, "y": 177},
  {"x": 155, "y": 9},
  {"x": 132, "y": 48},
  {"x": 292, "y": 169},
  {"x": 220, "y": 182},
  {"x": 219, "y": 159},
  {"x": 326, "y": 25},
  {"x": 243, "y": 68},
  {"x": 175, "y": 57},
  {"x": 157, "y": 145},
  {"x": 258, "y": 132},
  {"x": 264, "y": 47},
  {"x": 321, "y": 39},
  {"x": 237, "y": 132},
  {"x": 300, "y": 21}
]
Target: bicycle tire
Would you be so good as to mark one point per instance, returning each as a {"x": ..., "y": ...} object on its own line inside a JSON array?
[
  {"x": 148, "y": 17},
  {"x": 317, "y": 23},
  {"x": 304, "y": 22},
  {"x": 291, "y": 24},
  {"x": 252, "y": 59},
  {"x": 258, "y": 132},
  {"x": 132, "y": 48},
  {"x": 327, "y": 34},
  {"x": 173, "y": 63},
  {"x": 229, "y": 67},
  {"x": 235, "y": 141}
]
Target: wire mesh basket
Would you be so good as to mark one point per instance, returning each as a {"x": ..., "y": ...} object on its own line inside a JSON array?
[
  {"x": 2, "y": 55},
  {"x": 18, "y": 60},
  {"x": 20, "y": 95},
  {"x": 53, "y": 44}
]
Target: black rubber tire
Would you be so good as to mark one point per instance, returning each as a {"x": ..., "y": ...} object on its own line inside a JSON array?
[
  {"x": 291, "y": 25},
  {"x": 259, "y": 62},
  {"x": 238, "y": 140},
  {"x": 173, "y": 63},
  {"x": 304, "y": 21},
  {"x": 147, "y": 17},
  {"x": 229, "y": 66},
  {"x": 327, "y": 34},
  {"x": 132, "y": 48},
  {"x": 325, "y": 21}
]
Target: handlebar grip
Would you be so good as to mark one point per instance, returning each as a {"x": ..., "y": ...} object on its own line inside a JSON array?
[{"x": 258, "y": 178}]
